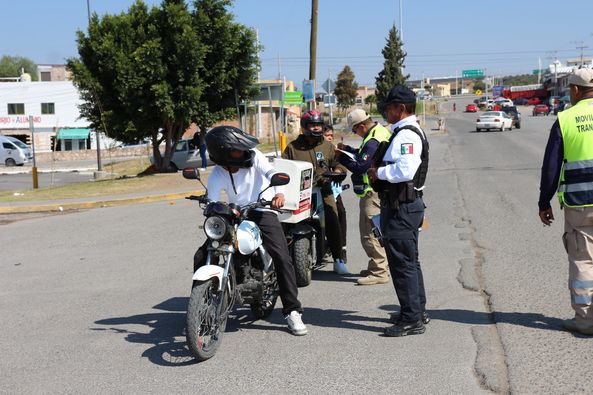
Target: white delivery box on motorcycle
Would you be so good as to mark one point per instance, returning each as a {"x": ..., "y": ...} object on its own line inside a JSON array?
[{"x": 297, "y": 193}]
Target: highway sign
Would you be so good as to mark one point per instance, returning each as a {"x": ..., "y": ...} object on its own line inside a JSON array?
[
  {"x": 293, "y": 97},
  {"x": 478, "y": 73},
  {"x": 539, "y": 71},
  {"x": 329, "y": 85},
  {"x": 478, "y": 92}
]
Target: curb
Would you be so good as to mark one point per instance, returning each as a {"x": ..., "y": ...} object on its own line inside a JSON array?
[
  {"x": 49, "y": 171},
  {"x": 95, "y": 204}
]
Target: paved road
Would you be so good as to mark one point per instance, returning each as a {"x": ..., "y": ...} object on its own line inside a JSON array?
[{"x": 98, "y": 308}]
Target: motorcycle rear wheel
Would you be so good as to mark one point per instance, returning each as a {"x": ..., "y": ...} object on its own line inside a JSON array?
[
  {"x": 302, "y": 260},
  {"x": 203, "y": 335}
]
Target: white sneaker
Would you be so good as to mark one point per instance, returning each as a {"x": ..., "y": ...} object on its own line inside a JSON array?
[
  {"x": 340, "y": 267},
  {"x": 202, "y": 169},
  {"x": 295, "y": 323}
]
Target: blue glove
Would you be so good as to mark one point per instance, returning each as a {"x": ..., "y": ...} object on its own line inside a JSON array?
[{"x": 336, "y": 189}]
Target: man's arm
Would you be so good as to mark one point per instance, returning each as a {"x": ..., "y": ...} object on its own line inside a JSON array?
[
  {"x": 551, "y": 166},
  {"x": 363, "y": 161}
]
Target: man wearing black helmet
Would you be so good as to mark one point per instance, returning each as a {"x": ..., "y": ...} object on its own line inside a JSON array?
[
  {"x": 400, "y": 181},
  {"x": 312, "y": 147},
  {"x": 243, "y": 172}
]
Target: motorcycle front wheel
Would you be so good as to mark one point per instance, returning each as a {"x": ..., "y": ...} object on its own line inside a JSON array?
[{"x": 204, "y": 328}]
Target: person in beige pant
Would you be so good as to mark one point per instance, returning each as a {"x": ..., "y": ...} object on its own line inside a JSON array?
[
  {"x": 568, "y": 169},
  {"x": 358, "y": 161},
  {"x": 377, "y": 271}
]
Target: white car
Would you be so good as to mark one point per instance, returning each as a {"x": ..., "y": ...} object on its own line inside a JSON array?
[
  {"x": 504, "y": 102},
  {"x": 494, "y": 120}
]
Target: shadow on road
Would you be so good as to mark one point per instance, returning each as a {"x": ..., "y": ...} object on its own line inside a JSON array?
[
  {"x": 325, "y": 275},
  {"x": 165, "y": 330},
  {"x": 166, "y": 335},
  {"x": 529, "y": 320}
]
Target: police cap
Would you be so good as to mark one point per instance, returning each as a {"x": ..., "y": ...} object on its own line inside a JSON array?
[{"x": 400, "y": 94}]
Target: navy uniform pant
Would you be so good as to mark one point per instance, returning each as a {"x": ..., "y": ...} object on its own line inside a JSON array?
[{"x": 399, "y": 226}]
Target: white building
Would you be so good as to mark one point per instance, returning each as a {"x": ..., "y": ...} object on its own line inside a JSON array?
[{"x": 56, "y": 118}]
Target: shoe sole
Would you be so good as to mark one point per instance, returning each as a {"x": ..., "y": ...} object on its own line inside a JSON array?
[
  {"x": 406, "y": 333},
  {"x": 373, "y": 283},
  {"x": 299, "y": 333}
]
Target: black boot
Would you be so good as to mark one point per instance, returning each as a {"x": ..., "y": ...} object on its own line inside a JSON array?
[{"x": 403, "y": 328}]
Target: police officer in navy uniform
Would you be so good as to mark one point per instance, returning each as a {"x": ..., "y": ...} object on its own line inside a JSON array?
[{"x": 399, "y": 178}]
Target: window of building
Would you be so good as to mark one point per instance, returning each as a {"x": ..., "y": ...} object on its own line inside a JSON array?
[
  {"x": 48, "y": 108},
  {"x": 45, "y": 76},
  {"x": 16, "y": 108}
]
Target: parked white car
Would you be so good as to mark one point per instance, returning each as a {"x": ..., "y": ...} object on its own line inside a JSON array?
[
  {"x": 504, "y": 102},
  {"x": 13, "y": 152},
  {"x": 186, "y": 154},
  {"x": 494, "y": 120}
]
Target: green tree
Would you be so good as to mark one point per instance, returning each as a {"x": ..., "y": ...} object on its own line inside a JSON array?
[
  {"x": 370, "y": 100},
  {"x": 479, "y": 84},
  {"x": 346, "y": 87},
  {"x": 392, "y": 73},
  {"x": 11, "y": 66},
  {"x": 152, "y": 72},
  {"x": 230, "y": 64}
]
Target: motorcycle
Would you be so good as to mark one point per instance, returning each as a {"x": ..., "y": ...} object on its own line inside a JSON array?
[
  {"x": 306, "y": 239},
  {"x": 238, "y": 270}
]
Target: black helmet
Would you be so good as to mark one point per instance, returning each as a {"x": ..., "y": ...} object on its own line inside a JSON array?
[
  {"x": 222, "y": 139},
  {"x": 312, "y": 117}
]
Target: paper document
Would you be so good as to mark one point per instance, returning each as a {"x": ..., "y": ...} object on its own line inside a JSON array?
[{"x": 350, "y": 155}]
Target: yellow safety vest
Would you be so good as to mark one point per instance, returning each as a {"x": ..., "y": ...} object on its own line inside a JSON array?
[
  {"x": 576, "y": 177},
  {"x": 379, "y": 133}
]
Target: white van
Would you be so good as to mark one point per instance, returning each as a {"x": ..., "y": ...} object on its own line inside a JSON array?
[{"x": 13, "y": 152}]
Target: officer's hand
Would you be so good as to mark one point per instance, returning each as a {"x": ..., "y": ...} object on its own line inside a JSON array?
[
  {"x": 341, "y": 146},
  {"x": 372, "y": 173},
  {"x": 278, "y": 200},
  {"x": 547, "y": 216}
]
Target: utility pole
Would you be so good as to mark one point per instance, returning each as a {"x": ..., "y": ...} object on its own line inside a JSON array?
[
  {"x": 313, "y": 49},
  {"x": 582, "y": 47},
  {"x": 401, "y": 26}
]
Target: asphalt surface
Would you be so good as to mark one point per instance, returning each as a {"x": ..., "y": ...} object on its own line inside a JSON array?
[{"x": 97, "y": 304}]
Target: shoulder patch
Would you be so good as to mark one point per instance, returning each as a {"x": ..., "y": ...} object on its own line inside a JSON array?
[{"x": 407, "y": 148}]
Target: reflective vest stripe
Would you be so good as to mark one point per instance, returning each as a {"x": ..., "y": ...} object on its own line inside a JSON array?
[
  {"x": 576, "y": 178},
  {"x": 379, "y": 133}
]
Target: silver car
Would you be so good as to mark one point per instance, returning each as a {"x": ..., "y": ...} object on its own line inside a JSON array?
[{"x": 494, "y": 120}]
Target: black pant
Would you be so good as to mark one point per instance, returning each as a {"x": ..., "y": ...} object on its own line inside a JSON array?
[
  {"x": 342, "y": 219},
  {"x": 274, "y": 242},
  {"x": 400, "y": 236}
]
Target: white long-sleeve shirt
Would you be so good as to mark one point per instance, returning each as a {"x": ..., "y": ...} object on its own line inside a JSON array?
[
  {"x": 248, "y": 183},
  {"x": 403, "y": 153}
]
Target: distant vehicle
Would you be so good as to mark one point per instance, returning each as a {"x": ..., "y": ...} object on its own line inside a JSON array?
[
  {"x": 13, "y": 152},
  {"x": 186, "y": 154},
  {"x": 514, "y": 114},
  {"x": 471, "y": 108},
  {"x": 541, "y": 109},
  {"x": 534, "y": 101},
  {"x": 521, "y": 101},
  {"x": 494, "y": 120},
  {"x": 503, "y": 102}
]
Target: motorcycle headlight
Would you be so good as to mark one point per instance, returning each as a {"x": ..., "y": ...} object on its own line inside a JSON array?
[{"x": 215, "y": 227}]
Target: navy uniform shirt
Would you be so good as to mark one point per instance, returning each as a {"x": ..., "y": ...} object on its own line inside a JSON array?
[
  {"x": 364, "y": 159},
  {"x": 551, "y": 167}
]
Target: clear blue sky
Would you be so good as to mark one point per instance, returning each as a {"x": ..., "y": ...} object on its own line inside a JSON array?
[{"x": 441, "y": 37}]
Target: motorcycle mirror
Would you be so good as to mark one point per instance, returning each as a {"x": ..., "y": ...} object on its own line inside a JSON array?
[
  {"x": 279, "y": 179},
  {"x": 191, "y": 173}
]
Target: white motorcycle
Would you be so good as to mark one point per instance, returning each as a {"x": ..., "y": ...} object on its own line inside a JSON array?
[{"x": 237, "y": 269}]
